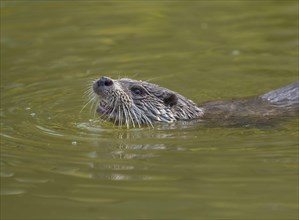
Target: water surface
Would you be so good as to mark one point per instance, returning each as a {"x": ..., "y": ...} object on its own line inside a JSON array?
[{"x": 60, "y": 163}]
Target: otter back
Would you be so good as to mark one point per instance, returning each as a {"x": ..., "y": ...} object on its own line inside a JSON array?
[
  {"x": 282, "y": 101},
  {"x": 284, "y": 97}
]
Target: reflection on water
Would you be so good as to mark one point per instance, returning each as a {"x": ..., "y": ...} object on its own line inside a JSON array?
[{"x": 58, "y": 162}]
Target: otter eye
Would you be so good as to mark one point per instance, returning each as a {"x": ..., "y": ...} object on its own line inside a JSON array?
[{"x": 137, "y": 90}]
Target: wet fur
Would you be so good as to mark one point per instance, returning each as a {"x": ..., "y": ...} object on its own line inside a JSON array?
[{"x": 127, "y": 102}]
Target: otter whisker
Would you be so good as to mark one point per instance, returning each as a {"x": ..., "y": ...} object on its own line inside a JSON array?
[
  {"x": 148, "y": 121},
  {"x": 130, "y": 120},
  {"x": 91, "y": 100},
  {"x": 91, "y": 97},
  {"x": 119, "y": 118},
  {"x": 112, "y": 112},
  {"x": 93, "y": 108},
  {"x": 126, "y": 116},
  {"x": 135, "y": 116},
  {"x": 108, "y": 113},
  {"x": 88, "y": 92},
  {"x": 130, "y": 115},
  {"x": 115, "y": 120}
]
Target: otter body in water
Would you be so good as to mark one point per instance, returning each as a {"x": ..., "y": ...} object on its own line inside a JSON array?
[{"x": 134, "y": 103}]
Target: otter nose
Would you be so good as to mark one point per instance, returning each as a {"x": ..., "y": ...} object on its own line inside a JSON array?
[{"x": 104, "y": 81}]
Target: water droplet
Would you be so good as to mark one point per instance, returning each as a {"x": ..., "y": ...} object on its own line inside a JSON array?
[{"x": 235, "y": 52}]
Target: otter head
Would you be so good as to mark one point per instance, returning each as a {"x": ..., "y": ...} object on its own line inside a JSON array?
[{"x": 131, "y": 102}]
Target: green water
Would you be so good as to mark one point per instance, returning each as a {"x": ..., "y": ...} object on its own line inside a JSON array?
[{"x": 60, "y": 163}]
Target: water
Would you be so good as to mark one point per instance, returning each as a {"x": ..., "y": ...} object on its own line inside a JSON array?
[{"x": 58, "y": 163}]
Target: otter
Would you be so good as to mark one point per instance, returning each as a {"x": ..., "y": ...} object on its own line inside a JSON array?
[{"x": 135, "y": 103}]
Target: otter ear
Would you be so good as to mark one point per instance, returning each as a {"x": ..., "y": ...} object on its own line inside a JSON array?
[{"x": 170, "y": 99}]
